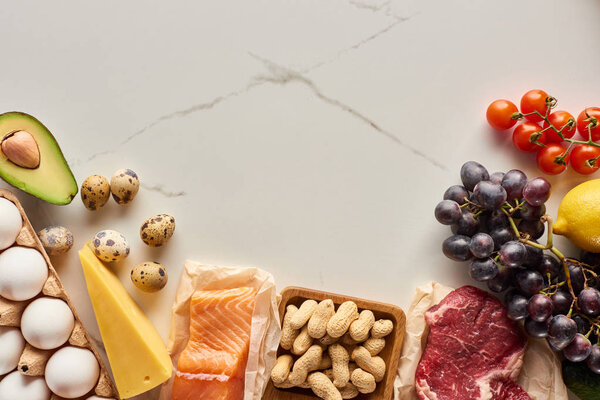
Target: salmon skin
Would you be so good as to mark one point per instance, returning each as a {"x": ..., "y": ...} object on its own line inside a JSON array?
[{"x": 213, "y": 364}]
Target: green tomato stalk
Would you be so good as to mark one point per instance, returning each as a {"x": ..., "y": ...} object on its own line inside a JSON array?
[{"x": 560, "y": 160}]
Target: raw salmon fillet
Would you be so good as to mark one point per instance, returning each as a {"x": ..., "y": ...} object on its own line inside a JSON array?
[{"x": 213, "y": 364}]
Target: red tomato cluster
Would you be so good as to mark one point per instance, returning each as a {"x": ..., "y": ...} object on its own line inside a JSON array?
[{"x": 553, "y": 140}]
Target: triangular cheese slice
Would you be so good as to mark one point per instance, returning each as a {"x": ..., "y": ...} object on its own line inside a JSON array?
[{"x": 137, "y": 355}]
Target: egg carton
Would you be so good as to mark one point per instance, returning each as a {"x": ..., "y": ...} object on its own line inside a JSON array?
[{"x": 33, "y": 361}]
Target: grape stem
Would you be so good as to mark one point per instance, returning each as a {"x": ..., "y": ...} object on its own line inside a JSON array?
[
  {"x": 552, "y": 289},
  {"x": 595, "y": 322},
  {"x": 573, "y": 303}
]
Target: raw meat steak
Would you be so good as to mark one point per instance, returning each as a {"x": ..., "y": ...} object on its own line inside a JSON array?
[{"x": 474, "y": 352}]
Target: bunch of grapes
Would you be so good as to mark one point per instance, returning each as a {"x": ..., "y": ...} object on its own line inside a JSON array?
[{"x": 496, "y": 220}]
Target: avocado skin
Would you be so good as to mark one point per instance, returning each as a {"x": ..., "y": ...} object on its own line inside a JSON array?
[
  {"x": 581, "y": 381},
  {"x": 49, "y": 149}
]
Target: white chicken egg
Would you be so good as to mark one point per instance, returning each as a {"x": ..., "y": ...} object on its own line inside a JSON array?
[
  {"x": 11, "y": 347},
  {"x": 47, "y": 323},
  {"x": 17, "y": 386},
  {"x": 23, "y": 272},
  {"x": 10, "y": 223},
  {"x": 72, "y": 372}
]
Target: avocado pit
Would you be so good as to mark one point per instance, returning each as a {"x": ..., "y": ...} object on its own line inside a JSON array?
[{"x": 21, "y": 149}]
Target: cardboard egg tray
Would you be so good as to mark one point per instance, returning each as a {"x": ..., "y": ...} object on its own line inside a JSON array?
[{"x": 33, "y": 361}]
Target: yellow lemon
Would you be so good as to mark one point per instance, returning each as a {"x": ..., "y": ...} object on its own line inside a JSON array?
[{"x": 579, "y": 216}]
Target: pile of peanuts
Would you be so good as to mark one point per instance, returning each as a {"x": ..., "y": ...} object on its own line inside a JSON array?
[{"x": 336, "y": 351}]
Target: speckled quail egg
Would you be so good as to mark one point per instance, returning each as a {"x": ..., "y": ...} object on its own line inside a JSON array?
[
  {"x": 124, "y": 185},
  {"x": 157, "y": 230},
  {"x": 72, "y": 372},
  {"x": 95, "y": 192},
  {"x": 56, "y": 240},
  {"x": 109, "y": 245},
  {"x": 10, "y": 223},
  {"x": 149, "y": 276},
  {"x": 18, "y": 386}
]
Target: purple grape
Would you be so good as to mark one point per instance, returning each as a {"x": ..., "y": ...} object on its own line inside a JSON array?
[
  {"x": 516, "y": 307},
  {"x": 496, "y": 177},
  {"x": 448, "y": 212},
  {"x": 483, "y": 218},
  {"x": 497, "y": 219},
  {"x": 529, "y": 282},
  {"x": 593, "y": 360},
  {"x": 483, "y": 270},
  {"x": 561, "y": 331},
  {"x": 535, "y": 229},
  {"x": 561, "y": 301},
  {"x": 531, "y": 213},
  {"x": 501, "y": 236},
  {"x": 501, "y": 281},
  {"x": 583, "y": 325},
  {"x": 537, "y": 191},
  {"x": 457, "y": 193},
  {"x": 467, "y": 225},
  {"x": 513, "y": 254},
  {"x": 457, "y": 248},
  {"x": 537, "y": 329},
  {"x": 579, "y": 349},
  {"x": 512, "y": 292},
  {"x": 513, "y": 182},
  {"x": 489, "y": 195},
  {"x": 549, "y": 266},
  {"x": 588, "y": 301},
  {"x": 539, "y": 307},
  {"x": 471, "y": 173},
  {"x": 482, "y": 245},
  {"x": 534, "y": 256}
]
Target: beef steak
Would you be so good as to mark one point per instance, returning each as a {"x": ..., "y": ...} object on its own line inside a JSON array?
[{"x": 474, "y": 351}]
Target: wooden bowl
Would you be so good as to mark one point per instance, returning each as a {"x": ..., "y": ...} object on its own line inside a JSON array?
[{"x": 390, "y": 354}]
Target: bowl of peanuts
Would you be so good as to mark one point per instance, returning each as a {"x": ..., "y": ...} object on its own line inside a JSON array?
[{"x": 335, "y": 347}]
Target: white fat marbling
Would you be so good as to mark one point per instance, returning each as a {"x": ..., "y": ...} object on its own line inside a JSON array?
[{"x": 312, "y": 138}]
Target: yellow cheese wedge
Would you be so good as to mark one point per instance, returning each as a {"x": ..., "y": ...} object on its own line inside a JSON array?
[{"x": 137, "y": 355}]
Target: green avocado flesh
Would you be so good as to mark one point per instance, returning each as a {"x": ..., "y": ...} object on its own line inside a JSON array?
[
  {"x": 52, "y": 180},
  {"x": 581, "y": 381}
]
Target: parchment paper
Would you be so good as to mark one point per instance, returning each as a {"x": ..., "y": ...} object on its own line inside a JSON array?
[
  {"x": 265, "y": 331},
  {"x": 540, "y": 376}
]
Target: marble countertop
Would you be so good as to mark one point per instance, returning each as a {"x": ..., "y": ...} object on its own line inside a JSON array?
[{"x": 309, "y": 138}]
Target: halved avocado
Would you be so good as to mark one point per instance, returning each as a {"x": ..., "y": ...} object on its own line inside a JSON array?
[{"x": 49, "y": 176}]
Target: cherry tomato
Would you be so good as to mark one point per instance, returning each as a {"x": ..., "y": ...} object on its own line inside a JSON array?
[
  {"x": 584, "y": 119},
  {"x": 547, "y": 159},
  {"x": 559, "y": 119},
  {"x": 534, "y": 100},
  {"x": 523, "y": 135},
  {"x": 581, "y": 156},
  {"x": 499, "y": 114}
]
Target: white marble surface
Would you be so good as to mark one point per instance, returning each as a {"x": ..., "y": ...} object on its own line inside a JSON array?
[{"x": 309, "y": 138}]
